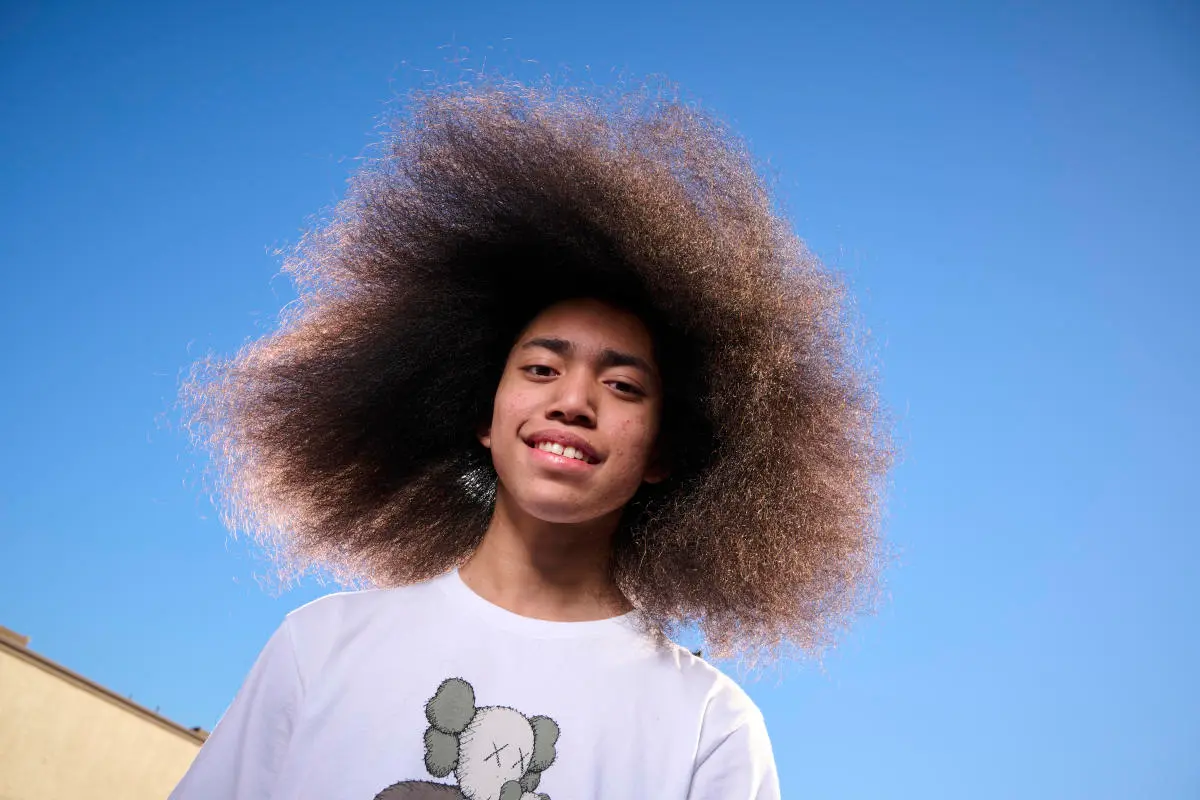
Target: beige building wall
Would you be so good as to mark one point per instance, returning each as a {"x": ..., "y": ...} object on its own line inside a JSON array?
[{"x": 63, "y": 737}]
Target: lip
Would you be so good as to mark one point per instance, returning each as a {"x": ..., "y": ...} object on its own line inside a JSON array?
[
  {"x": 566, "y": 439},
  {"x": 559, "y": 464}
]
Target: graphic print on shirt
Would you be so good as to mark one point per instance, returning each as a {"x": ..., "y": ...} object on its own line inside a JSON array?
[{"x": 495, "y": 752}]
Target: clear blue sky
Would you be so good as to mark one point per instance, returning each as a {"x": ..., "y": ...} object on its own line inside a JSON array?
[{"x": 1010, "y": 187}]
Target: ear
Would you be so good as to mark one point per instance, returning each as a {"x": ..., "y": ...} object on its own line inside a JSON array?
[
  {"x": 484, "y": 435},
  {"x": 545, "y": 735},
  {"x": 658, "y": 470},
  {"x": 656, "y": 473},
  {"x": 452, "y": 708},
  {"x": 441, "y": 752}
]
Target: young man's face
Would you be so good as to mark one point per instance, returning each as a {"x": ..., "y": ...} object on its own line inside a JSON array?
[{"x": 576, "y": 413}]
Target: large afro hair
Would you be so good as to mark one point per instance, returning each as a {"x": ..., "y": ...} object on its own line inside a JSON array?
[{"x": 346, "y": 439}]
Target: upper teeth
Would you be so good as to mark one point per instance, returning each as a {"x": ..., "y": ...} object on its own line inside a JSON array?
[{"x": 558, "y": 449}]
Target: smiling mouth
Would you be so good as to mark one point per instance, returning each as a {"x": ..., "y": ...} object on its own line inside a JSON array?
[{"x": 566, "y": 452}]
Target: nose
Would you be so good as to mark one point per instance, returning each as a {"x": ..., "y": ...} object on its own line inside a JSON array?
[{"x": 573, "y": 404}]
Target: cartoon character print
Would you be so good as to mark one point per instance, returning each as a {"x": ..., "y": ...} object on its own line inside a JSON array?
[{"x": 495, "y": 752}]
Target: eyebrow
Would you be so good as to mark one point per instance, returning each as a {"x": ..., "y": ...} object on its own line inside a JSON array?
[{"x": 608, "y": 357}]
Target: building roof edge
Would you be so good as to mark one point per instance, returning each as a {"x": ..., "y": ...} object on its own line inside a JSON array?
[{"x": 17, "y": 645}]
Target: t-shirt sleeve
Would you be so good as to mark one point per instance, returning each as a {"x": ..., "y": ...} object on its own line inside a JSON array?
[
  {"x": 736, "y": 763},
  {"x": 241, "y": 758}
]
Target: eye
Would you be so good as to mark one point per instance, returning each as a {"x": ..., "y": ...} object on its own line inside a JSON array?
[
  {"x": 539, "y": 371},
  {"x": 624, "y": 387}
]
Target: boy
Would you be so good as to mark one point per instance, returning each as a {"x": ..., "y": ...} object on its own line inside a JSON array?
[{"x": 561, "y": 381}]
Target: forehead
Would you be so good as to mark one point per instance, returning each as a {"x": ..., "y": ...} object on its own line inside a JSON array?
[{"x": 593, "y": 324}]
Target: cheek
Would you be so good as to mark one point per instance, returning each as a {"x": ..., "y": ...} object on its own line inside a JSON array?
[
  {"x": 635, "y": 436},
  {"x": 511, "y": 413},
  {"x": 509, "y": 408}
]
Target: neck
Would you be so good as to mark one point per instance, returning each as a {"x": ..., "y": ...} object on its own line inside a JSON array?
[{"x": 546, "y": 570}]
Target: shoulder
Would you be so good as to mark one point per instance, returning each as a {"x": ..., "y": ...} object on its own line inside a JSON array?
[
  {"x": 726, "y": 700},
  {"x": 733, "y": 755},
  {"x": 351, "y": 607},
  {"x": 711, "y": 694},
  {"x": 343, "y": 621},
  {"x": 732, "y": 751},
  {"x": 339, "y": 608}
]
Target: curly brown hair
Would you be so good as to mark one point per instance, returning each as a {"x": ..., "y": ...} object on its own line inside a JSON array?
[{"x": 347, "y": 438}]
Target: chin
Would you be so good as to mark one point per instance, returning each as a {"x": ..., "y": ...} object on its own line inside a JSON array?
[
  {"x": 561, "y": 509},
  {"x": 561, "y": 513}
]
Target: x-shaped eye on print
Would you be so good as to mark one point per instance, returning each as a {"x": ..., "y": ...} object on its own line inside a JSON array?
[
  {"x": 496, "y": 753},
  {"x": 520, "y": 759}
]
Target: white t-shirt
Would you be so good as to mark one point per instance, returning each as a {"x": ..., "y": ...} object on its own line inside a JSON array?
[{"x": 429, "y": 691}]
